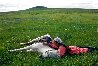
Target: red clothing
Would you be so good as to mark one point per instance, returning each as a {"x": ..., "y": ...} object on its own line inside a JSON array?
[
  {"x": 52, "y": 45},
  {"x": 77, "y": 50},
  {"x": 70, "y": 49},
  {"x": 62, "y": 50}
]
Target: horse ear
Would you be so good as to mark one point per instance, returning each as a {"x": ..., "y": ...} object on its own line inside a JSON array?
[{"x": 47, "y": 35}]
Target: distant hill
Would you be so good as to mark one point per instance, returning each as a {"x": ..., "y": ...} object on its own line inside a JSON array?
[
  {"x": 40, "y": 7},
  {"x": 65, "y": 10},
  {"x": 54, "y": 10}
]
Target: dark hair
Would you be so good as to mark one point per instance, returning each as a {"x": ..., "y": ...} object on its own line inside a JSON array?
[{"x": 48, "y": 39}]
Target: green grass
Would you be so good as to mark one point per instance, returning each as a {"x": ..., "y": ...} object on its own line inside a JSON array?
[{"x": 74, "y": 26}]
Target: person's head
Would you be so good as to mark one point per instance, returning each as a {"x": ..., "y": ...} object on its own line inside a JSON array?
[{"x": 58, "y": 41}]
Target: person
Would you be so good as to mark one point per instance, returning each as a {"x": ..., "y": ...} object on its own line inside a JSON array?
[
  {"x": 62, "y": 50},
  {"x": 57, "y": 44}
]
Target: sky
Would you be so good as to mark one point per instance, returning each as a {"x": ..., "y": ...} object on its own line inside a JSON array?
[{"x": 15, "y": 5}]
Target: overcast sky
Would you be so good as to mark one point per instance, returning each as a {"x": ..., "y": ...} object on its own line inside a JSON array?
[{"x": 14, "y": 5}]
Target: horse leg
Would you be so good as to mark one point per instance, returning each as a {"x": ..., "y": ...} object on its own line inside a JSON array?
[{"x": 20, "y": 49}]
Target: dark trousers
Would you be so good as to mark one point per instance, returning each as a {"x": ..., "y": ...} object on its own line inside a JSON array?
[{"x": 90, "y": 49}]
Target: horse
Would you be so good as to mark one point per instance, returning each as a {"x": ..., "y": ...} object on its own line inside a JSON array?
[{"x": 40, "y": 47}]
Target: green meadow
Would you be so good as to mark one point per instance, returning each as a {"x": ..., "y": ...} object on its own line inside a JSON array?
[{"x": 74, "y": 26}]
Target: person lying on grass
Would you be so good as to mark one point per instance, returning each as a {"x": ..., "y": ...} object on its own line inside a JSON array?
[
  {"x": 63, "y": 50},
  {"x": 53, "y": 48}
]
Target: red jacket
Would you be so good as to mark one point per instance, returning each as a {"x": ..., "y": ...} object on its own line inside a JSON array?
[
  {"x": 70, "y": 49},
  {"x": 53, "y": 46},
  {"x": 62, "y": 50}
]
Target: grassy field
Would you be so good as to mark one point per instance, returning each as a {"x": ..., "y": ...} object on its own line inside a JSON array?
[{"x": 74, "y": 26}]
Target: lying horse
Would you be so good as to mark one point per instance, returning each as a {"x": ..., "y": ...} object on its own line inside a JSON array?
[{"x": 39, "y": 47}]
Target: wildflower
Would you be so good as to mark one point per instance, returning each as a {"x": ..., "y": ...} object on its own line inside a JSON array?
[
  {"x": 97, "y": 30},
  {"x": 66, "y": 29}
]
